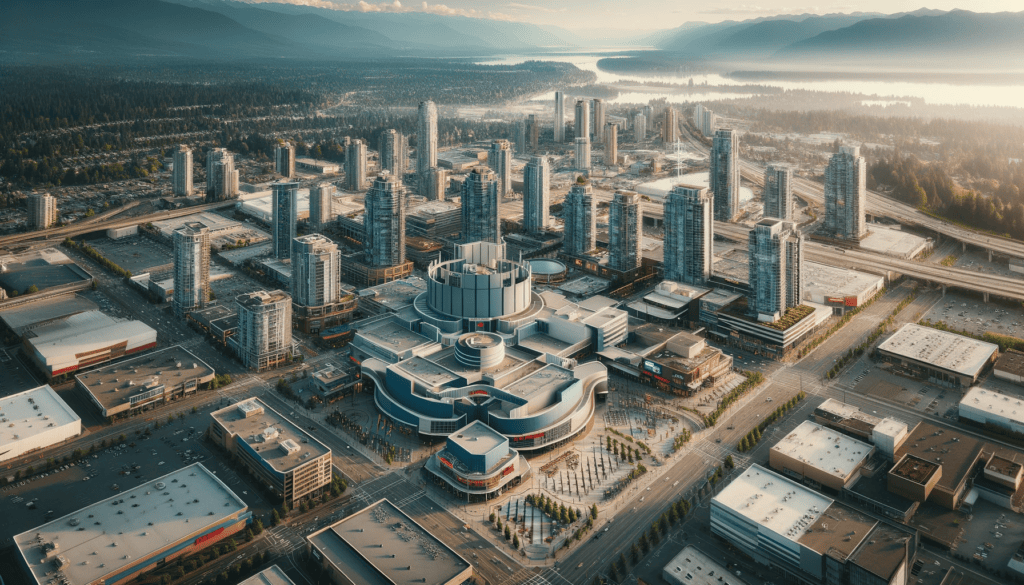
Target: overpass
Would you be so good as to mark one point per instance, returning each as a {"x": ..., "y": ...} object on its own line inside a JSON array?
[{"x": 875, "y": 263}]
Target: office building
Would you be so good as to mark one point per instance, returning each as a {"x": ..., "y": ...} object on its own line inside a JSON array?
[
  {"x": 435, "y": 182},
  {"x": 689, "y": 235},
  {"x": 820, "y": 456},
  {"x": 405, "y": 552},
  {"x": 316, "y": 271},
  {"x": 272, "y": 575},
  {"x": 581, "y": 125},
  {"x": 532, "y": 133},
  {"x": 321, "y": 205},
  {"x": 499, "y": 158},
  {"x": 704, "y": 120},
  {"x": 384, "y": 222},
  {"x": 811, "y": 538},
  {"x": 115, "y": 540},
  {"x": 520, "y": 133},
  {"x": 778, "y": 192},
  {"x": 536, "y": 194},
  {"x": 670, "y": 126},
  {"x": 583, "y": 155},
  {"x": 426, "y": 137},
  {"x": 477, "y": 464},
  {"x": 846, "y": 194},
  {"x": 600, "y": 119},
  {"x": 611, "y": 145},
  {"x": 191, "y": 267},
  {"x": 692, "y": 567},
  {"x": 724, "y": 178},
  {"x": 942, "y": 358},
  {"x": 181, "y": 174},
  {"x": 285, "y": 459},
  {"x": 355, "y": 166},
  {"x": 580, "y": 213},
  {"x": 221, "y": 176},
  {"x": 285, "y": 207},
  {"x": 393, "y": 149},
  {"x": 42, "y": 211},
  {"x": 284, "y": 159},
  {"x": 775, "y": 264},
  {"x": 559, "y": 124},
  {"x": 639, "y": 127},
  {"x": 625, "y": 217},
  {"x": 24, "y": 414},
  {"x": 480, "y": 215},
  {"x": 264, "y": 335}
]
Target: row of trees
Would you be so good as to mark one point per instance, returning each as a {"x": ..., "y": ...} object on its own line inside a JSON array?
[
  {"x": 651, "y": 538},
  {"x": 754, "y": 436}
]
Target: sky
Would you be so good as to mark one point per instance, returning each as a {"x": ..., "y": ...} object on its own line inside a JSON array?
[{"x": 646, "y": 15}]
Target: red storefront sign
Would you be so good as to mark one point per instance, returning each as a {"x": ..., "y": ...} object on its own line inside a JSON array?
[
  {"x": 209, "y": 536},
  {"x": 478, "y": 392},
  {"x": 508, "y": 470},
  {"x": 851, "y": 301},
  {"x": 445, "y": 461}
]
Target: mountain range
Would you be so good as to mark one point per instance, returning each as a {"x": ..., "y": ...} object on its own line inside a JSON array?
[{"x": 113, "y": 30}]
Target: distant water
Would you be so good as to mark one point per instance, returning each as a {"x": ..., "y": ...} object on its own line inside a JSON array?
[{"x": 932, "y": 93}]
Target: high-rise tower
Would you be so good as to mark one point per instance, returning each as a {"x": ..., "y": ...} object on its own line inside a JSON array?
[
  {"x": 559, "y": 117},
  {"x": 583, "y": 154},
  {"x": 580, "y": 213},
  {"x": 181, "y": 175},
  {"x": 384, "y": 222},
  {"x": 689, "y": 235},
  {"x": 670, "y": 129},
  {"x": 778, "y": 192},
  {"x": 532, "y": 133},
  {"x": 393, "y": 147},
  {"x": 639, "y": 127},
  {"x": 624, "y": 235},
  {"x": 499, "y": 158},
  {"x": 42, "y": 211},
  {"x": 581, "y": 127},
  {"x": 264, "y": 328},
  {"x": 776, "y": 262},
  {"x": 316, "y": 271},
  {"x": 426, "y": 137},
  {"x": 284, "y": 157},
  {"x": 725, "y": 174},
  {"x": 355, "y": 166},
  {"x": 321, "y": 205},
  {"x": 480, "y": 219},
  {"x": 845, "y": 194},
  {"x": 599, "y": 120},
  {"x": 285, "y": 204},
  {"x": 221, "y": 176},
  {"x": 191, "y": 267},
  {"x": 611, "y": 144},
  {"x": 434, "y": 185},
  {"x": 536, "y": 196}
]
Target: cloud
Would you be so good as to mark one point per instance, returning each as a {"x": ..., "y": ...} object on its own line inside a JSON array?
[
  {"x": 396, "y": 6},
  {"x": 534, "y": 7}
]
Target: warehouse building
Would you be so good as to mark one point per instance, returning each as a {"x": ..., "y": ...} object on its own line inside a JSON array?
[
  {"x": 272, "y": 575},
  {"x": 138, "y": 384},
  {"x": 988, "y": 408},
  {"x": 693, "y": 567},
  {"x": 840, "y": 288},
  {"x": 886, "y": 434},
  {"x": 35, "y": 419},
  {"x": 381, "y": 544},
  {"x": 83, "y": 340},
  {"x": 24, "y": 317},
  {"x": 807, "y": 536},
  {"x": 115, "y": 540},
  {"x": 943, "y": 358},
  {"x": 288, "y": 461},
  {"x": 1009, "y": 366},
  {"x": 820, "y": 457},
  {"x": 477, "y": 463}
]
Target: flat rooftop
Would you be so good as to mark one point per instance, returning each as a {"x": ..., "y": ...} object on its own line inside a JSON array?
[
  {"x": 996, "y": 404},
  {"x": 428, "y": 372},
  {"x": 832, "y": 281},
  {"x": 693, "y": 567},
  {"x": 838, "y": 529},
  {"x": 1010, "y": 361},
  {"x": 392, "y": 336},
  {"x": 101, "y": 538},
  {"x": 396, "y": 294},
  {"x": 940, "y": 349},
  {"x": 477, "y": 438},
  {"x": 542, "y": 384},
  {"x": 773, "y": 501},
  {"x": 431, "y": 208},
  {"x": 381, "y": 544},
  {"x": 261, "y": 297},
  {"x": 24, "y": 317},
  {"x": 272, "y": 575},
  {"x": 117, "y": 383},
  {"x": 915, "y": 469},
  {"x": 842, "y": 411},
  {"x": 884, "y": 552},
  {"x": 892, "y": 242},
  {"x": 83, "y": 333},
  {"x": 829, "y": 451},
  {"x": 585, "y": 286},
  {"x": 32, "y": 412},
  {"x": 279, "y": 441}
]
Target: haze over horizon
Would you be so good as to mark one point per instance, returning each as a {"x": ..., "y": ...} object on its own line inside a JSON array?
[{"x": 643, "y": 15}]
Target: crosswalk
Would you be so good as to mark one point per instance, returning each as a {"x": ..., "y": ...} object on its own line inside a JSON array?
[{"x": 526, "y": 577}]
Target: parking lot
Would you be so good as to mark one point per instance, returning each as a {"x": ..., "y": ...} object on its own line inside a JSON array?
[
  {"x": 136, "y": 254},
  {"x": 140, "y": 459},
  {"x": 991, "y": 535},
  {"x": 966, "y": 313}
]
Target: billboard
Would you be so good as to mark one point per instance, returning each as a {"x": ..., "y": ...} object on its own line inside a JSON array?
[{"x": 652, "y": 367}]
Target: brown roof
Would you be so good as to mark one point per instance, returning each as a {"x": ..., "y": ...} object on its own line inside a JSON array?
[
  {"x": 829, "y": 533},
  {"x": 915, "y": 469},
  {"x": 884, "y": 551},
  {"x": 1011, "y": 361},
  {"x": 955, "y": 451}
]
